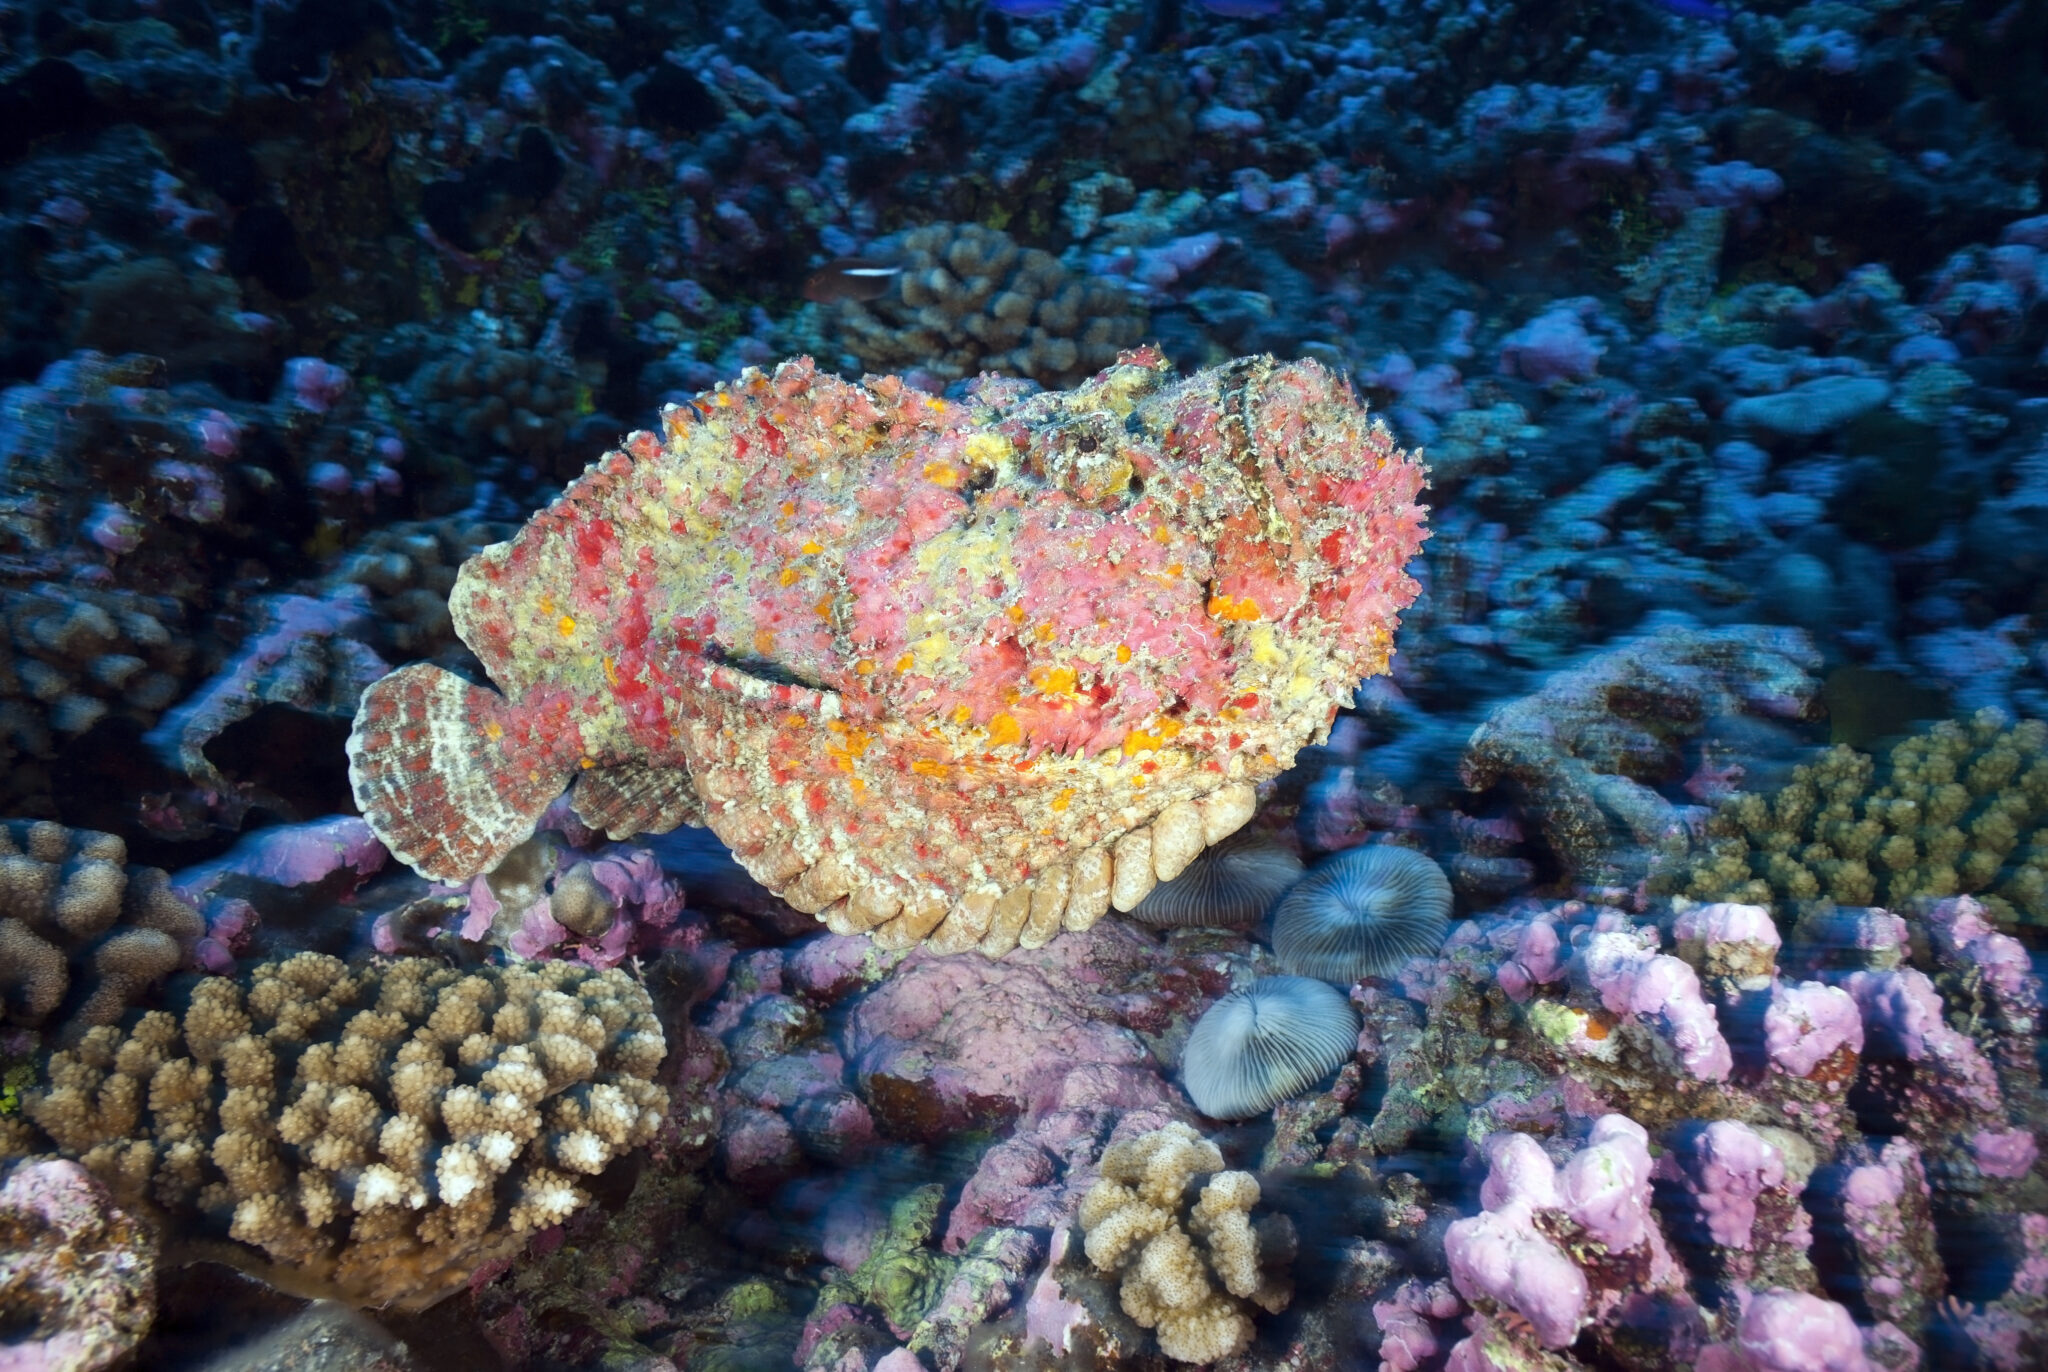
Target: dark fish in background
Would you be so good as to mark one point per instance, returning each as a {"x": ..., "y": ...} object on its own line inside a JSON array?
[{"x": 850, "y": 278}]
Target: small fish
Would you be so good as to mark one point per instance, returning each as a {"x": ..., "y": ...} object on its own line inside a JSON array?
[
  {"x": 1244, "y": 9},
  {"x": 1027, "y": 9},
  {"x": 850, "y": 278}
]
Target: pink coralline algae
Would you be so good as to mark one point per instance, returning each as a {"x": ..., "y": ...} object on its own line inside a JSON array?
[
  {"x": 959, "y": 672},
  {"x": 1663, "y": 990},
  {"x": 1790, "y": 1331},
  {"x": 1557, "y": 1248},
  {"x": 77, "y": 1274}
]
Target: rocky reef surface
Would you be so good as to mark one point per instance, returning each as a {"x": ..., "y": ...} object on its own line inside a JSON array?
[{"x": 1714, "y": 710}]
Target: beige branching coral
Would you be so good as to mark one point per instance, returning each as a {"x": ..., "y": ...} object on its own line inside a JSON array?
[
  {"x": 1959, "y": 810},
  {"x": 1172, "y": 1263},
  {"x": 971, "y": 300},
  {"x": 82, "y": 934},
  {"x": 378, "y": 1132}
]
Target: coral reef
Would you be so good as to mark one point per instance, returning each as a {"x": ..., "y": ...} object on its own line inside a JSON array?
[
  {"x": 984, "y": 755},
  {"x": 1586, "y": 755},
  {"x": 77, "y": 1273},
  {"x": 970, "y": 300},
  {"x": 1958, "y": 810},
  {"x": 1138, "y": 1224},
  {"x": 84, "y": 935},
  {"x": 549, "y": 900},
  {"x": 378, "y": 1133}
]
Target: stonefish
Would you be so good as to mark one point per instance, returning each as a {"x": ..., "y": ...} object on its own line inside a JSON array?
[{"x": 966, "y": 672}]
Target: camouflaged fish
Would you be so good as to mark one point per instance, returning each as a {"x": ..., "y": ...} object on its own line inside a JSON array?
[{"x": 966, "y": 672}]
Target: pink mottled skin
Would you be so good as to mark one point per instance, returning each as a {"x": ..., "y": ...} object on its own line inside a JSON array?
[{"x": 907, "y": 632}]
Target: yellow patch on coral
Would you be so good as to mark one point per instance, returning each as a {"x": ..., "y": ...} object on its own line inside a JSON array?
[
  {"x": 864, "y": 667},
  {"x": 1063, "y": 799},
  {"x": 942, "y": 474},
  {"x": 1123, "y": 652},
  {"x": 764, "y": 642},
  {"x": 1265, "y": 650},
  {"x": 961, "y": 714},
  {"x": 905, "y": 663},
  {"x": 1004, "y": 729},
  {"x": 789, "y": 575},
  {"x": 565, "y": 626},
  {"x": 494, "y": 731},
  {"x": 813, "y": 547},
  {"x": 926, "y": 767}
]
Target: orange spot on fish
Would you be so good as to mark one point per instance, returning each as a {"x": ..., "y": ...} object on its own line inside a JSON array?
[{"x": 1242, "y": 610}]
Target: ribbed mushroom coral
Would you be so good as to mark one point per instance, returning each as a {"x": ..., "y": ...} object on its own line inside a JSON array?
[
  {"x": 378, "y": 1133},
  {"x": 1228, "y": 885},
  {"x": 1362, "y": 913},
  {"x": 1173, "y": 1257},
  {"x": 1264, "y": 1043}
]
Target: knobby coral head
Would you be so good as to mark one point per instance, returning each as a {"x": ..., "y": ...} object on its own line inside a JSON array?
[{"x": 961, "y": 671}]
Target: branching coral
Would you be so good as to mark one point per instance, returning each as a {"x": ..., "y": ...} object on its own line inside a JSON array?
[
  {"x": 1172, "y": 1256},
  {"x": 1959, "y": 810},
  {"x": 82, "y": 934},
  {"x": 973, "y": 301},
  {"x": 378, "y": 1132}
]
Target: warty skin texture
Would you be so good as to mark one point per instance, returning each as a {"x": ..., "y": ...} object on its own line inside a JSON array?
[{"x": 964, "y": 673}]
